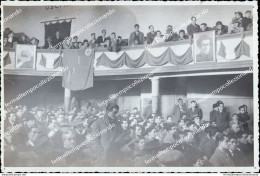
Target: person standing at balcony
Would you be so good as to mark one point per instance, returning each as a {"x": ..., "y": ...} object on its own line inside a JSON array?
[
  {"x": 247, "y": 21},
  {"x": 101, "y": 40},
  {"x": 136, "y": 37},
  {"x": 150, "y": 35},
  {"x": 121, "y": 42},
  {"x": 220, "y": 28},
  {"x": 170, "y": 35},
  {"x": 93, "y": 42},
  {"x": 158, "y": 38},
  {"x": 49, "y": 43},
  {"x": 193, "y": 27}
]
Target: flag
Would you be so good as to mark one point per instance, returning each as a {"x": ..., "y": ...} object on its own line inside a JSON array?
[
  {"x": 43, "y": 61},
  {"x": 242, "y": 49},
  {"x": 7, "y": 59},
  {"x": 58, "y": 61},
  {"x": 222, "y": 50},
  {"x": 79, "y": 75}
]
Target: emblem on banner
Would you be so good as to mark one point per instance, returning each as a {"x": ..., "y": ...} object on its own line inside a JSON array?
[{"x": 88, "y": 52}]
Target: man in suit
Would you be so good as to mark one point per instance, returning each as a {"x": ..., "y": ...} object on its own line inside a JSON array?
[
  {"x": 101, "y": 40},
  {"x": 104, "y": 142},
  {"x": 136, "y": 37},
  {"x": 221, "y": 156},
  {"x": 182, "y": 35},
  {"x": 220, "y": 28},
  {"x": 178, "y": 110},
  {"x": 222, "y": 118},
  {"x": 121, "y": 42},
  {"x": 194, "y": 111},
  {"x": 150, "y": 35},
  {"x": 236, "y": 154},
  {"x": 193, "y": 27},
  {"x": 93, "y": 42}
]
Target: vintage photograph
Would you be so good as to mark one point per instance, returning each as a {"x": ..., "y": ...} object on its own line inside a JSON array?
[{"x": 129, "y": 87}]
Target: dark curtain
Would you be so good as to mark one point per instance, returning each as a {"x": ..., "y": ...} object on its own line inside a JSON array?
[{"x": 64, "y": 28}]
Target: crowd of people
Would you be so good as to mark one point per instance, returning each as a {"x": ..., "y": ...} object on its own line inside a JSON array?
[
  {"x": 114, "y": 43},
  {"x": 45, "y": 134}
]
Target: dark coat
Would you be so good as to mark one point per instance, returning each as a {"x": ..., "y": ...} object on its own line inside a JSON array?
[
  {"x": 191, "y": 29},
  {"x": 149, "y": 37},
  {"x": 139, "y": 38},
  {"x": 221, "y": 159}
]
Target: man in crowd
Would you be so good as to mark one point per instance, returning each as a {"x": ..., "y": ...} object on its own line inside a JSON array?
[
  {"x": 178, "y": 110},
  {"x": 220, "y": 29},
  {"x": 150, "y": 35},
  {"x": 101, "y": 40},
  {"x": 193, "y": 27}
]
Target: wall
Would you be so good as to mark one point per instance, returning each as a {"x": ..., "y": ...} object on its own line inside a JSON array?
[{"x": 121, "y": 22}]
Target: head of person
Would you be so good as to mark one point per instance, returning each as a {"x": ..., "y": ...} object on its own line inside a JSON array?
[
  {"x": 242, "y": 109},
  {"x": 136, "y": 26},
  {"x": 151, "y": 133},
  {"x": 133, "y": 122},
  {"x": 85, "y": 42},
  {"x": 33, "y": 134},
  {"x": 169, "y": 27},
  {"x": 112, "y": 110},
  {"x": 49, "y": 39},
  {"x": 180, "y": 101},
  {"x": 58, "y": 34},
  {"x": 158, "y": 33},
  {"x": 239, "y": 15},
  {"x": 235, "y": 127},
  {"x": 39, "y": 113},
  {"x": 245, "y": 106},
  {"x": 135, "y": 110},
  {"x": 221, "y": 107},
  {"x": 119, "y": 39},
  {"x": 193, "y": 104},
  {"x": 215, "y": 106},
  {"x": 193, "y": 20},
  {"x": 232, "y": 143},
  {"x": 104, "y": 32},
  {"x": 11, "y": 34},
  {"x": 20, "y": 113},
  {"x": 35, "y": 41},
  {"x": 124, "y": 123},
  {"x": 138, "y": 130},
  {"x": 150, "y": 119},
  {"x": 141, "y": 143},
  {"x": 12, "y": 117},
  {"x": 93, "y": 36},
  {"x": 169, "y": 119},
  {"x": 113, "y": 34},
  {"x": 23, "y": 37},
  {"x": 222, "y": 140},
  {"x": 192, "y": 126},
  {"x": 203, "y": 26},
  {"x": 30, "y": 121},
  {"x": 197, "y": 119},
  {"x": 250, "y": 138},
  {"x": 204, "y": 44},
  {"x": 68, "y": 138},
  {"x": 211, "y": 132},
  {"x": 158, "y": 120},
  {"x": 151, "y": 28},
  {"x": 248, "y": 14},
  {"x": 235, "y": 117},
  {"x": 219, "y": 25},
  {"x": 242, "y": 137}
]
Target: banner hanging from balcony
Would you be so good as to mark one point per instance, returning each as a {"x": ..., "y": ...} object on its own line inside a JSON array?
[
  {"x": 79, "y": 75},
  {"x": 140, "y": 57}
]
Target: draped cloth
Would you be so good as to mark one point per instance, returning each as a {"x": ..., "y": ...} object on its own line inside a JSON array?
[
  {"x": 222, "y": 50},
  {"x": 7, "y": 59},
  {"x": 146, "y": 58},
  {"x": 242, "y": 49},
  {"x": 79, "y": 75}
]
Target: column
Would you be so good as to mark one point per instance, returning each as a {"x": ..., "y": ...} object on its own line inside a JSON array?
[
  {"x": 67, "y": 95},
  {"x": 155, "y": 94}
]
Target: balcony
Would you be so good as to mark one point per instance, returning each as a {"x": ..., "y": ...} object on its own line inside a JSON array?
[{"x": 229, "y": 63}]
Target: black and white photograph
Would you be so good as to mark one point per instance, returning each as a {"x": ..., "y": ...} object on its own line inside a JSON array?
[{"x": 129, "y": 86}]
